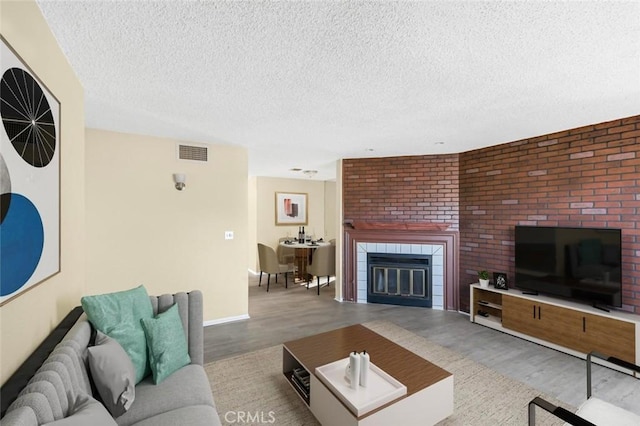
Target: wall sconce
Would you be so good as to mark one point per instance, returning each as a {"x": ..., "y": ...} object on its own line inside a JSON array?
[{"x": 179, "y": 179}]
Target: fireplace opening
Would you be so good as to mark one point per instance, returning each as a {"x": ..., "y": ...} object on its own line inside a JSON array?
[{"x": 399, "y": 279}]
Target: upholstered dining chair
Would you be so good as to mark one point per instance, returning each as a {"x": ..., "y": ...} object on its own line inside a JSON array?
[
  {"x": 269, "y": 264},
  {"x": 323, "y": 264},
  {"x": 285, "y": 254}
]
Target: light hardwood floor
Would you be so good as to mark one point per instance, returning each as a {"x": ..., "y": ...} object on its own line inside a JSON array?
[{"x": 287, "y": 314}]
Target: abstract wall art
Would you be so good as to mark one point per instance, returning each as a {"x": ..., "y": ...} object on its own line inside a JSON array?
[
  {"x": 29, "y": 178},
  {"x": 291, "y": 208}
]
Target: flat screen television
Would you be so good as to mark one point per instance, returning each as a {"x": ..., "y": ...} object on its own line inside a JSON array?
[{"x": 583, "y": 264}]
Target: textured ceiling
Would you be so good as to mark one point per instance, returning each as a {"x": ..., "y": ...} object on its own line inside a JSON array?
[{"x": 301, "y": 84}]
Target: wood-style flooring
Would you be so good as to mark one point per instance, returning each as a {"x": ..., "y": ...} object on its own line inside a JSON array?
[{"x": 287, "y": 314}]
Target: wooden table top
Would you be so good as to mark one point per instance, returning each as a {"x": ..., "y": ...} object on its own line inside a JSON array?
[{"x": 413, "y": 371}]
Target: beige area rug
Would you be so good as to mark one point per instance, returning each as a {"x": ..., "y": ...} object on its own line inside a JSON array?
[{"x": 250, "y": 388}]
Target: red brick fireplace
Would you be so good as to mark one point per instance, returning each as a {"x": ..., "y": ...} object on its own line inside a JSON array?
[{"x": 401, "y": 235}]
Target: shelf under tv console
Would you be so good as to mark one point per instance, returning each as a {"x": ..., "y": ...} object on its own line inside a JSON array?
[{"x": 567, "y": 326}]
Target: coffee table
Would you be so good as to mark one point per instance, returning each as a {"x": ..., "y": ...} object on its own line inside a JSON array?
[{"x": 429, "y": 397}]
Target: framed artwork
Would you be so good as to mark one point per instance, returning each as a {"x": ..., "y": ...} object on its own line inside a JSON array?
[
  {"x": 500, "y": 280},
  {"x": 29, "y": 178},
  {"x": 291, "y": 208}
]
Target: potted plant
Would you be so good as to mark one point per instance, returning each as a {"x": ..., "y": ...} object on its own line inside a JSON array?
[{"x": 483, "y": 277}]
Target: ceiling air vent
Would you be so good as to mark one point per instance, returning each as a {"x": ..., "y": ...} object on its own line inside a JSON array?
[{"x": 192, "y": 152}]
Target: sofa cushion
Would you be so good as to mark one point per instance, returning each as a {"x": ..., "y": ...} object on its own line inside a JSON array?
[
  {"x": 113, "y": 374},
  {"x": 166, "y": 342},
  {"x": 195, "y": 415},
  {"x": 189, "y": 386},
  {"x": 118, "y": 316},
  {"x": 36, "y": 402},
  {"x": 52, "y": 378},
  {"x": 22, "y": 416},
  {"x": 86, "y": 411}
]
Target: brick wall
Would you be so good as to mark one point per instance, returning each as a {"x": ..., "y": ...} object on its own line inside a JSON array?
[
  {"x": 584, "y": 177},
  {"x": 402, "y": 189},
  {"x": 589, "y": 176}
]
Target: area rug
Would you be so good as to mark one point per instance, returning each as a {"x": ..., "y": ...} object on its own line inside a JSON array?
[{"x": 250, "y": 388}]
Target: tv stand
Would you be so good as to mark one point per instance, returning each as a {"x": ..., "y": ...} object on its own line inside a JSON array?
[
  {"x": 602, "y": 308},
  {"x": 567, "y": 326}
]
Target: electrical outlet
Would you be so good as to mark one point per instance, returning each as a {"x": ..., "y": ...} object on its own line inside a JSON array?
[{"x": 228, "y": 235}]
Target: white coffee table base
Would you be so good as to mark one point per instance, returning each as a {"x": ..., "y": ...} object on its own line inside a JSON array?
[{"x": 426, "y": 407}]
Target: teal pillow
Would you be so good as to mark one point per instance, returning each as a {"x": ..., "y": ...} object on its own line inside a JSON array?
[
  {"x": 118, "y": 316},
  {"x": 167, "y": 343}
]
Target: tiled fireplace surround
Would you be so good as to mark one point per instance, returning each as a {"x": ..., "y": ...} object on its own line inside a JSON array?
[
  {"x": 437, "y": 266},
  {"x": 440, "y": 244}
]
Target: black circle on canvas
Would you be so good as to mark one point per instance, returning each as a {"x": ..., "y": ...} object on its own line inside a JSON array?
[
  {"x": 27, "y": 118},
  {"x": 5, "y": 189}
]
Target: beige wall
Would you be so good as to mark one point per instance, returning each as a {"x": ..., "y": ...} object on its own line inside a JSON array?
[
  {"x": 26, "y": 320},
  {"x": 252, "y": 253},
  {"x": 338, "y": 231},
  {"x": 266, "y": 230},
  {"x": 330, "y": 217},
  {"x": 141, "y": 230}
]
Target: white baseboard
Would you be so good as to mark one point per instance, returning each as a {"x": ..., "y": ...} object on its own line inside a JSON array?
[
  {"x": 225, "y": 320},
  {"x": 252, "y": 272}
]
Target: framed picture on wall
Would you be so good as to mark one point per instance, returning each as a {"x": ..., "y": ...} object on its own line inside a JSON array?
[
  {"x": 29, "y": 178},
  {"x": 291, "y": 208},
  {"x": 500, "y": 280}
]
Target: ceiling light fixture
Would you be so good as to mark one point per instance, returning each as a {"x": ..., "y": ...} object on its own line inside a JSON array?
[{"x": 310, "y": 173}]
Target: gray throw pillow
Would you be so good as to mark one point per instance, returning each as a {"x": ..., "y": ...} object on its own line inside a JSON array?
[
  {"x": 86, "y": 411},
  {"x": 113, "y": 374}
]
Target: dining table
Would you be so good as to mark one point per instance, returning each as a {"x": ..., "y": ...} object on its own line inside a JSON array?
[{"x": 303, "y": 254}]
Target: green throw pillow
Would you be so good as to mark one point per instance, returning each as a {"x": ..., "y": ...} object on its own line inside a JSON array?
[
  {"x": 167, "y": 343},
  {"x": 118, "y": 316}
]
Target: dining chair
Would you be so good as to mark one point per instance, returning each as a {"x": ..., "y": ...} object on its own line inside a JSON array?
[
  {"x": 323, "y": 263},
  {"x": 269, "y": 264},
  {"x": 285, "y": 254}
]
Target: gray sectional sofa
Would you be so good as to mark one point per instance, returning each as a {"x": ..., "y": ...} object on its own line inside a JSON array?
[{"x": 183, "y": 398}]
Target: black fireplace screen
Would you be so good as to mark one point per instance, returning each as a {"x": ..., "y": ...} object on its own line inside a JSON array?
[{"x": 399, "y": 279}]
